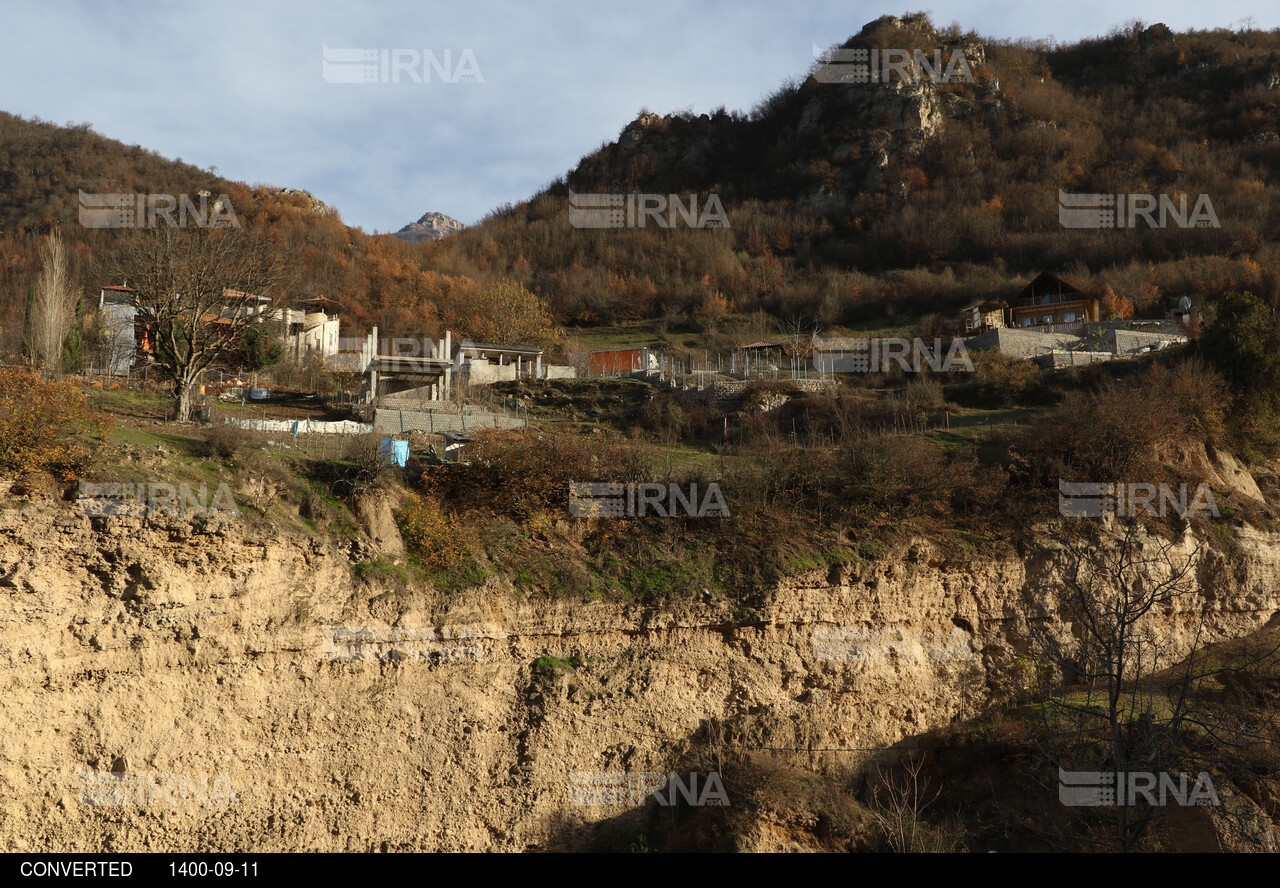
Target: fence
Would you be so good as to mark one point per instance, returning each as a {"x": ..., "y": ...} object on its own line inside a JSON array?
[{"x": 692, "y": 371}]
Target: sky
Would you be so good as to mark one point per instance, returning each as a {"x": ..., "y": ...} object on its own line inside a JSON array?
[{"x": 489, "y": 102}]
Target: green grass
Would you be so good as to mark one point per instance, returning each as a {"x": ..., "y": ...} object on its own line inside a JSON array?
[
  {"x": 369, "y": 571},
  {"x": 456, "y": 577},
  {"x": 557, "y": 665},
  {"x": 175, "y": 444},
  {"x": 666, "y": 577},
  {"x": 975, "y": 424},
  {"x": 683, "y": 458},
  {"x": 129, "y": 402},
  {"x": 185, "y": 459},
  {"x": 630, "y": 334}
]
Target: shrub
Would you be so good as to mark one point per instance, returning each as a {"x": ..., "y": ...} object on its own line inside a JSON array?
[
  {"x": 924, "y": 394},
  {"x": 900, "y": 473},
  {"x": 225, "y": 442},
  {"x": 1004, "y": 381},
  {"x": 524, "y": 473},
  {"x": 1120, "y": 432},
  {"x": 440, "y": 541},
  {"x": 363, "y": 465},
  {"x": 47, "y": 426}
]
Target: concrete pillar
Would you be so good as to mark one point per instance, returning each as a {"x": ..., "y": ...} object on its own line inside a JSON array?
[
  {"x": 448, "y": 356},
  {"x": 371, "y": 366}
]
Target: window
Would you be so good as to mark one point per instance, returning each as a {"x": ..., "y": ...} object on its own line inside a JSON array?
[{"x": 1069, "y": 317}]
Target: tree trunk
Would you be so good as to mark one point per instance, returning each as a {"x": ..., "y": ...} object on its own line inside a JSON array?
[{"x": 182, "y": 401}]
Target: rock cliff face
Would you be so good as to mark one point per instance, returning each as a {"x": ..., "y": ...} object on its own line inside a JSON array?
[
  {"x": 186, "y": 652},
  {"x": 838, "y": 132},
  {"x": 315, "y": 204}
]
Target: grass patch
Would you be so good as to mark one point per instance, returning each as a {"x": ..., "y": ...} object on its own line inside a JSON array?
[{"x": 551, "y": 666}]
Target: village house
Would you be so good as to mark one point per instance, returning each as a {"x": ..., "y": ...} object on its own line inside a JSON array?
[
  {"x": 1058, "y": 325},
  {"x": 118, "y": 311},
  {"x": 313, "y": 331},
  {"x": 310, "y": 330},
  {"x": 483, "y": 363},
  {"x": 1046, "y": 305}
]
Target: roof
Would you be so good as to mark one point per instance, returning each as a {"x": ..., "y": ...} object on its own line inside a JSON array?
[
  {"x": 491, "y": 347},
  {"x": 1046, "y": 284},
  {"x": 323, "y": 301},
  {"x": 231, "y": 293},
  {"x": 760, "y": 344}
]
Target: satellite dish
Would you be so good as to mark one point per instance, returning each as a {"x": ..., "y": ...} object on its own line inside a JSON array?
[{"x": 1184, "y": 303}]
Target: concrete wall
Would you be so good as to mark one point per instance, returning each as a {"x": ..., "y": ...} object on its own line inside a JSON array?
[
  {"x": 1128, "y": 342},
  {"x": 467, "y": 420},
  {"x": 420, "y": 398},
  {"x": 1153, "y": 325},
  {"x": 1056, "y": 359},
  {"x": 1019, "y": 343},
  {"x": 1113, "y": 337},
  {"x": 485, "y": 372}
]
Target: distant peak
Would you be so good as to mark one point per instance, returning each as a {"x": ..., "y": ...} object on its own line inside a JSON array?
[{"x": 432, "y": 226}]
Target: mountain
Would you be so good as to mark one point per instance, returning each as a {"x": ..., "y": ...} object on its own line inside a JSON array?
[
  {"x": 873, "y": 202},
  {"x": 44, "y": 167},
  {"x": 432, "y": 226},
  {"x": 881, "y": 202}
]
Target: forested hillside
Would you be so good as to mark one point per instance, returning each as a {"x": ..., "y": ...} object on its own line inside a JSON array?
[{"x": 847, "y": 203}]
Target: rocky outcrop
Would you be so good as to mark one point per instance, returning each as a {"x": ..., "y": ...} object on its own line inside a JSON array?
[
  {"x": 315, "y": 204},
  {"x": 836, "y": 133}
]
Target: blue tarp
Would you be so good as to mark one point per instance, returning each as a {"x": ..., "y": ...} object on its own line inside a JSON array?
[{"x": 397, "y": 452}]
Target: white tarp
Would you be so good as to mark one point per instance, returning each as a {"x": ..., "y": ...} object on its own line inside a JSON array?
[{"x": 304, "y": 426}]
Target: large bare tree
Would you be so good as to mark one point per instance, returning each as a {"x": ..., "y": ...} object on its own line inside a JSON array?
[
  {"x": 54, "y": 308},
  {"x": 1121, "y": 697},
  {"x": 198, "y": 289}
]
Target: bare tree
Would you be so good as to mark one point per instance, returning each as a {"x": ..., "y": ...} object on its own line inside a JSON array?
[
  {"x": 197, "y": 290},
  {"x": 897, "y": 805},
  {"x": 54, "y": 306},
  {"x": 1115, "y": 705}
]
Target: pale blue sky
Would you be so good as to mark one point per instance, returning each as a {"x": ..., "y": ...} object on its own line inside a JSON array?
[{"x": 241, "y": 85}]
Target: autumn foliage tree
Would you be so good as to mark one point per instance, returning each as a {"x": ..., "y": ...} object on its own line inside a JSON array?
[
  {"x": 1115, "y": 307},
  {"x": 46, "y": 426},
  {"x": 506, "y": 313}
]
